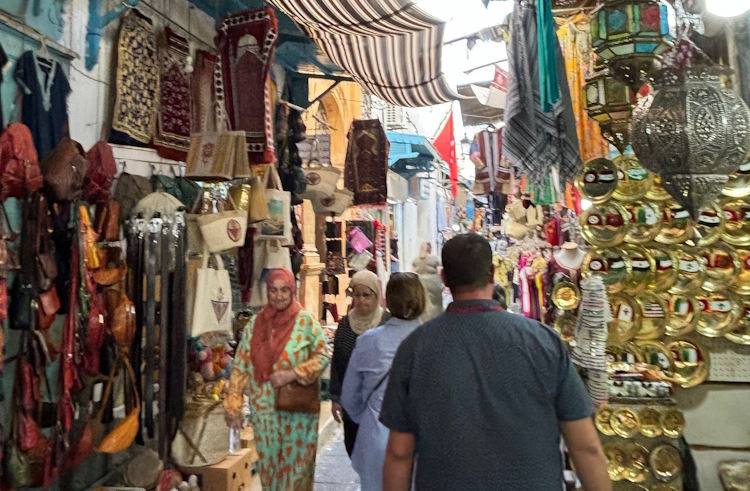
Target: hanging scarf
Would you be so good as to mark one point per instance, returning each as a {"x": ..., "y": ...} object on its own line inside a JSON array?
[
  {"x": 273, "y": 328},
  {"x": 362, "y": 323}
]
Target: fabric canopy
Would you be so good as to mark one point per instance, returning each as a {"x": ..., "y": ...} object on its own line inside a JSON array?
[{"x": 391, "y": 47}]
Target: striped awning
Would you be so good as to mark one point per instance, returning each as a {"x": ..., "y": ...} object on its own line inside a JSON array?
[{"x": 391, "y": 47}]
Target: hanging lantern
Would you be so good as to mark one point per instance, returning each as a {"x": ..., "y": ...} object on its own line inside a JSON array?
[
  {"x": 610, "y": 103},
  {"x": 631, "y": 35},
  {"x": 692, "y": 132}
]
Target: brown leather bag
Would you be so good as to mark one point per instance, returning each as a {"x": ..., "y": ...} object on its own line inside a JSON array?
[
  {"x": 112, "y": 268},
  {"x": 9, "y": 260},
  {"x": 19, "y": 163},
  {"x": 122, "y": 435},
  {"x": 64, "y": 171},
  {"x": 107, "y": 222},
  {"x": 121, "y": 318},
  {"x": 49, "y": 304},
  {"x": 298, "y": 398}
]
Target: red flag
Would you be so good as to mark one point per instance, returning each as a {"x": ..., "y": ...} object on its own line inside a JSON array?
[{"x": 445, "y": 144}]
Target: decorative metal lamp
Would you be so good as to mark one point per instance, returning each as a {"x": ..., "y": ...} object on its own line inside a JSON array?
[
  {"x": 610, "y": 103},
  {"x": 692, "y": 132},
  {"x": 631, "y": 35}
]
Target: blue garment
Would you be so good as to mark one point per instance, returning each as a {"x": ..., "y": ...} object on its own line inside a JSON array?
[{"x": 370, "y": 362}]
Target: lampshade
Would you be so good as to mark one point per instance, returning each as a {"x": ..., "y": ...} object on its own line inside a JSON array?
[{"x": 610, "y": 103}]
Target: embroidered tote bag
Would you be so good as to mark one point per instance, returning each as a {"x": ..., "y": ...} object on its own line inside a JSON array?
[
  {"x": 212, "y": 308},
  {"x": 279, "y": 225}
]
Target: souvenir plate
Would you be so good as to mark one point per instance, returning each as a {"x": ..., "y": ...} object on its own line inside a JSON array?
[
  {"x": 684, "y": 312},
  {"x": 737, "y": 217},
  {"x": 601, "y": 420},
  {"x": 720, "y": 313},
  {"x": 650, "y": 422},
  {"x": 722, "y": 266},
  {"x": 676, "y": 226},
  {"x": 691, "y": 270},
  {"x": 566, "y": 295},
  {"x": 645, "y": 221},
  {"x": 666, "y": 463},
  {"x": 657, "y": 354},
  {"x": 656, "y": 192},
  {"x": 667, "y": 268},
  {"x": 625, "y": 422},
  {"x": 741, "y": 333},
  {"x": 690, "y": 361},
  {"x": 615, "y": 460},
  {"x": 672, "y": 422},
  {"x": 710, "y": 224},
  {"x": 636, "y": 465},
  {"x": 654, "y": 316},
  {"x": 642, "y": 268},
  {"x": 738, "y": 185},
  {"x": 627, "y": 353},
  {"x": 633, "y": 180},
  {"x": 612, "y": 265},
  {"x": 742, "y": 283},
  {"x": 565, "y": 325},
  {"x": 663, "y": 487},
  {"x": 626, "y": 319},
  {"x": 605, "y": 225},
  {"x": 597, "y": 180}
]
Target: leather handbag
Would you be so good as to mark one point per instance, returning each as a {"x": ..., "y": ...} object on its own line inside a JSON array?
[
  {"x": 9, "y": 260},
  {"x": 19, "y": 163},
  {"x": 20, "y": 310},
  {"x": 122, "y": 435},
  {"x": 49, "y": 304},
  {"x": 112, "y": 269},
  {"x": 89, "y": 239},
  {"x": 100, "y": 174},
  {"x": 64, "y": 171},
  {"x": 297, "y": 398},
  {"x": 120, "y": 318},
  {"x": 107, "y": 221}
]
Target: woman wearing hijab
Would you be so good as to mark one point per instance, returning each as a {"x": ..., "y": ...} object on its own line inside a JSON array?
[
  {"x": 427, "y": 267},
  {"x": 365, "y": 313},
  {"x": 281, "y": 345},
  {"x": 367, "y": 376}
]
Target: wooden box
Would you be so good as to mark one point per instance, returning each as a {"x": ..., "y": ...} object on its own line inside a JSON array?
[
  {"x": 247, "y": 437},
  {"x": 234, "y": 473}
]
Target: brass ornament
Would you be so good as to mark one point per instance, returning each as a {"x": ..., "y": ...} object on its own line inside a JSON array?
[
  {"x": 684, "y": 312},
  {"x": 720, "y": 312},
  {"x": 657, "y": 354},
  {"x": 633, "y": 180},
  {"x": 566, "y": 295},
  {"x": 742, "y": 282},
  {"x": 691, "y": 270},
  {"x": 612, "y": 265},
  {"x": 642, "y": 268},
  {"x": 565, "y": 325},
  {"x": 738, "y": 185},
  {"x": 597, "y": 180},
  {"x": 645, "y": 221},
  {"x": 737, "y": 218},
  {"x": 691, "y": 363},
  {"x": 629, "y": 353},
  {"x": 654, "y": 316},
  {"x": 676, "y": 227},
  {"x": 615, "y": 461},
  {"x": 650, "y": 422},
  {"x": 741, "y": 333},
  {"x": 602, "y": 420},
  {"x": 667, "y": 268},
  {"x": 626, "y": 319},
  {"x": 672, "y": 423},
  {"x": 666, "y": 463},
  {"x": 625, "y": 422},
  {"x": 722, "y": 266},
  {"x": 709, "y": 225},
  {"x": 605, "y": 224}
]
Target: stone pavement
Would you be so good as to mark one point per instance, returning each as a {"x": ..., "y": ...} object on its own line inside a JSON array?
[{"x": 333, "y": 470}]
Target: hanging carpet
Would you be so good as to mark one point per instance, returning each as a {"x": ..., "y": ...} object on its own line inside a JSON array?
[
  {"x": 366, "y": 171},
  {"x": 172, "y": 138}
]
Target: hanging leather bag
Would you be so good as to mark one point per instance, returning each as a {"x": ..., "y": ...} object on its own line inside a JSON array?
[
  {"x": 107, "y": 221},
  {"x": 19, "y": 163},
  {"x": 9, "y": 260},
  {"x": 120, "y": 318},
  {"x": 123, "y": 434},
  {"x": 100, "y": 174},
  {"x": 64, "y": 171}
]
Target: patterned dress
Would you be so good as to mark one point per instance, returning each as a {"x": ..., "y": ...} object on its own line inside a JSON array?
[{"x": 286, "y": 442}]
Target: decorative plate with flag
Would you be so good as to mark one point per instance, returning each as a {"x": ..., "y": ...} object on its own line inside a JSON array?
[
  {"x": 566, "y": 295},
  {"x": 613, "y": 265},
  {"x": 741, "y": 333},
  {"x": 597, "y": 180},
  {"x": 633, "y": 180},
  {"x": 605, "y": 225},
  {"x": 737, "y": 217},
  {"x": 691, "y": 270},
  {"x": 629, "y": 353},
  {"x": 691, "y": 362},
  {"x": 709, "y": 225},
  {"x": 642, "y": 268},
  {"x": 656, "y": 192},
  {"x": 676, "y": 227},
  {"x": 656, "y": 353},
  {"x": 626, "y": 319},
  {"x": 654, "y": 316},
  {"x": 742, "y": 283},
  {"x": 667, "y": 268},
  {"x": 684, "y": 312},
  {"x": 721, "y": 311},
  {"x": 738, "y": 185},
  {"x": 722, "y": 266},
  {"x": 645, "y": 221}
]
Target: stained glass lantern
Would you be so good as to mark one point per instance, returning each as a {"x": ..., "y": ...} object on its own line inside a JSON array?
[
  {"x": 610, "y": 103},
  {"x": 631, "y": 35},
  {"x": 692, "y": 132}
]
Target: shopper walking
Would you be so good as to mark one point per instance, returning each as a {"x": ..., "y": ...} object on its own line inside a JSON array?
[
  {"x": 366, "y": 312},
  {"x": 283, "y": 344},
  {"x": 483, "y": 396},
  {"x": 427, "y": 267},
  {"x": 367, "y": 374}
]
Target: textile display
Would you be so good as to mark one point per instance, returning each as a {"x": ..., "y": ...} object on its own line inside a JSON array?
[
  {"x": 366, "y": 170},
  {"x": 246, "y": 43},
  {"x": 44, "y": 109},
  {"x": 575, "y": 42},
  {"x": 172, "y": 137},
  {"x": 137, "y": 82},
  {"x": 203, "y": 92},
  {"x": 533, "y": 139},
  {"x": 591, "y": 337},
  {"x": 493, "y": 173}
]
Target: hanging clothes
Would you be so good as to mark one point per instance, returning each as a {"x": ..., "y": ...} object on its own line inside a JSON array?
[
  {"x": 493, "y": 172},
  {"x": 246, "y": 44},
  {"x": 575, "y": 42},
  {"x": 136, "y": 83},
  {"x": 203, "y": 92},
  {"x": 366, "y": 170},
  {"x": 533, "y": 139},
  {"x": 44, "y": 88},
  {"x": 549, "y": 89},
  {"x": 3, "y": 62},
  {"x": 172, "y": 138}
]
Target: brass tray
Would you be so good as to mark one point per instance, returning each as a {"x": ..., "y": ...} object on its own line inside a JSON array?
[
  {"x": 597, "y": 180},
  {"x": 633, "y": 180},
  {"x": 742, "y": 282},
  {"x": 566, "y": 295},
  {"x": 626, "y": 318},
  {"x": 738, "y": 185},
  {"x": 654, "y": 316},
  {"x": 710, "y": 224},
  {"x": 691, "y": 270},
  {"x": 667, "y": 267},
  {"x": 720, "y": 313},
  {"x": 691, "y": 362},
  {"x": 657, "y": 354},
  {"x": 684, "y": 312},
  {"x": 642, "y": 268},
  {"x": 741, "y": 333},
  {"x": 605, "y": 224},
  {"x": 666, "y": 463},
  {"x": 677, "y": 226},
  {"x": 737, "y": 216},
  {"x": 722, "y": 266},
  {"x": 612, "y": 265},
  {"x": 645, "y": 221}
]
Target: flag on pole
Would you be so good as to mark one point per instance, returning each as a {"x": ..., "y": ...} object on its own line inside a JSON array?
[{"x": 445, "y": 144}]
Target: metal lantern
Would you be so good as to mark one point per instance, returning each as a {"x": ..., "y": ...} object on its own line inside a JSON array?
[
  {"x": 631, "y": 35},
  {"x": 610, "y": 103},
  {"x": 692, "y": 132}
]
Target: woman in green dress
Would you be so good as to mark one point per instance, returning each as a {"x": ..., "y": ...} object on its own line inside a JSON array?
[{"x": 282, "y": 344}]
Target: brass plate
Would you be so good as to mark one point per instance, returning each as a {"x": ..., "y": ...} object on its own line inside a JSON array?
[
  {"x": 710, "y": 224},
  {"x": 676, "y": 227},
  {"x": 684, "y": 312},
  {"x": 666, "y": 463},
  {"x": 737, "y": 217},
  {"x": 611, "y": 264},
  {"x": 657, "y": 192},
  {"x": 642, "y": 268},
  {"x": 566, "y": 295},
  {"x": 625, "y": 422},
  {"x": 633, "y": 180},
  {"x": 597, "y": 180},
  {"x": 691, "y": 363},
  {"x": 565, "y": 325},
  {"x": 667, "y": 267},
  {"x": 650, "y": 422},
  {"x": 605, "y": 225},
  {"x": 672, "y": 423},
  {"x": 654, "y": 316},
  {"x": 601, "y": 420},
  {"x": 626, "y": 353},
  {"x": 657, "y": 354},
  {"x": 645, "y": 221},
  {"x": 722, "y": 266},
  {"x": 636, "y": 464},
  {"x": 738, "y": 185},
  {"x": 741, "y": 333},
  {"x": 742, "y": 282},
  {"x": 615, "y": 460},
  {"x": 691, "y": 270},
  {"x": 720, "y": 313},
  {"x": 663, "y": 487},
  {"x": 626, "y": 318}
]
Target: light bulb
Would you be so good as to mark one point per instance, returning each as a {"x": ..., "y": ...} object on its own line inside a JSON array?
[{"x": 727, "y": 8}]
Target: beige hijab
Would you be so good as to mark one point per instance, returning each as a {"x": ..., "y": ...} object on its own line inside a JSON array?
[{"x": 359, "y": 323}]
